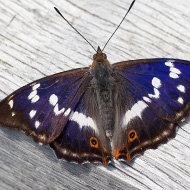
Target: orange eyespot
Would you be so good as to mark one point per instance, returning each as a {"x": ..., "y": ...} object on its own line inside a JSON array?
[
  {"x": 94, "y": 142},
  {"x": 132, "y": 135}
]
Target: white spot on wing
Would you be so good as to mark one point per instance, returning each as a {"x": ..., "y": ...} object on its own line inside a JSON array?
[
  {"x": 155, "y": 95},
  {"x": 82, "y": 120},
  {"x": 173, "y": 75},
  {"x": 13, "y": 114},
  {"x": 32, "y": 94},
  {"x": 135, "y": 111},
  {"x": 35, "y": 99},
  {"x": 67, "y": 112},
  {"x": 146, "y": 99},
  {"x": 181, "y": 88},
  {"x": 169, "y": 63},
  {"x": 156, "y": 82},
  {"x": 32, "y": 113},
  {"x": 142, "y": 106},
  {"x": 180, "y": 100},
  {"x": 175, "y": 70},
  {"x": 36, "y": 86},
  {"x": 57, "y": 111},
  {"x": 11, "y": 103},
  {"x": 37, "y": 124},
  {"x": 53, "y": 99}
]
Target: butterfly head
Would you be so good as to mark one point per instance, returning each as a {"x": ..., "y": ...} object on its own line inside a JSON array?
[{"x": 100, "y": 58}]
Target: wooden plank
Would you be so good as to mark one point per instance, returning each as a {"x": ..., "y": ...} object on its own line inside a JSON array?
[{"x": 36, "y": 42}]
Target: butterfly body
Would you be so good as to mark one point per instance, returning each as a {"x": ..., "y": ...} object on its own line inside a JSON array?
[
  {"x": 103, "y": 85},
  {"x": 86, "y": 114}
]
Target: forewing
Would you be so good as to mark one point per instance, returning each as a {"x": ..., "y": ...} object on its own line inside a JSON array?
[
  {"x": 41, "y": 109},
  {"x": 83, "y": 139},
  {"x": 156, "y": 95}
]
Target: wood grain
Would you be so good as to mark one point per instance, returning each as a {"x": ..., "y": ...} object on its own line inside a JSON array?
[{"x": 36, "y": 42}]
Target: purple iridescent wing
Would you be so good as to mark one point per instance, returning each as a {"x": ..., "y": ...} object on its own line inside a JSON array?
[
  {"x": 41, "y": 109},
  {"x": 155, "y": 95},
  {"x": 59, "y": 110}
]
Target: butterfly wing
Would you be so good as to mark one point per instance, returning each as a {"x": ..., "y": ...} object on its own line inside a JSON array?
[
  {"x": 59, "y": 110},
  {"x": 41, "y": 109},
  {"x": 83, "y": 139},
  {"x": 156, "y": 95}
]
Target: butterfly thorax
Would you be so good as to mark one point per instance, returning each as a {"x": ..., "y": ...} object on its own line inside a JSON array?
[
  {"x": 102, "y": 75},
  {"x": 102, "y": 83}
]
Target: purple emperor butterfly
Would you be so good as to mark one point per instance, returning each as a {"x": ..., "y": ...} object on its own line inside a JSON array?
[{"x": 86, "y": 114}]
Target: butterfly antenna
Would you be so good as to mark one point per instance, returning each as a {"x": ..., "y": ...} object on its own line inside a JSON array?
[
  {"x": 74, "y": 28},
  {"x": 119, "y": 24}
]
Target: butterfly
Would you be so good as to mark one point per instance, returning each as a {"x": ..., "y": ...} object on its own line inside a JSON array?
[
  {"x": 103, "y": 111},
  {"x": 86, "y": 114}
]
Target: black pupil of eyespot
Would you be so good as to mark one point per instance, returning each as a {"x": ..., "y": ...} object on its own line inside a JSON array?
[
  {"x": 93, "y": 141},
  {"x": 132, "y": 135}
]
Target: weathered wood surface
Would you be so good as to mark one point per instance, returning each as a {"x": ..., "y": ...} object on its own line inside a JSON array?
[{"x": 36, "y": 42}]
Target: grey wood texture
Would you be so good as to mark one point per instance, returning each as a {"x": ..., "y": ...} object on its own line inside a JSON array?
[{"x": 35, "y": 42}]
